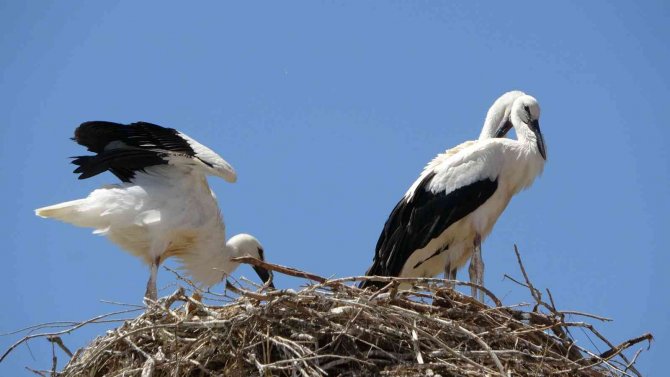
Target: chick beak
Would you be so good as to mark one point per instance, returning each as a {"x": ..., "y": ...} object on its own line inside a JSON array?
[
  {"x": 535, "y": 126},
  {"x": 504, "y": 129},
  {"x": 265, "y": 275}
]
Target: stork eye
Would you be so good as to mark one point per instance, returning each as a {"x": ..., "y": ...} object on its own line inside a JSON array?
[{"x": 530, "y": 117}]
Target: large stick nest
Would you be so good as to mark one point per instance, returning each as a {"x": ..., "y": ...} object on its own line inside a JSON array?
[{"x": 333, "y": 328}]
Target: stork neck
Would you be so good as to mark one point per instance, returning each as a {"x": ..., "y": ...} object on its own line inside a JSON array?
[
  {"x": 524, "y": 164},
  {"x": 491, "y": 123}
]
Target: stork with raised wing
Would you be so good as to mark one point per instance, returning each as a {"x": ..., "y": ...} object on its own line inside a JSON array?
[{"x": 163, "y": 206}]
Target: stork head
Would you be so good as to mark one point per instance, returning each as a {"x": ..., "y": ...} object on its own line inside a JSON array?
[
  {"x": 497, "y": 122},
  {"x": 246, "y": 245},
  {"x": 526, "y": 120}
]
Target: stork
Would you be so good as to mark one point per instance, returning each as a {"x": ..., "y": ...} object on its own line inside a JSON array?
[
  {"x": 163, "y": 206},
  {"x": 444, "y": 216},
  {"x": 496, "y": 118}
]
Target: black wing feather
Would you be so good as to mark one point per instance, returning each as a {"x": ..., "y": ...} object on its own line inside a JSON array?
[
  {"x": 121, "y": 162},
  {"x": 97, "y": 135},
  {"x": 414, "y": 223},
  {"x": 126, "y": 149}
]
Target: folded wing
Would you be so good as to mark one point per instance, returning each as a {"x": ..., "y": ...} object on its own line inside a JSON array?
[{"x": 448, "y": 190}]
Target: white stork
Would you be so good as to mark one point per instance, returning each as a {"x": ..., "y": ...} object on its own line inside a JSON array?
[
  {"x": 163, "y": 207},
  {"x": 497, "y": 117},
  {"x": 444, "y": 216}
]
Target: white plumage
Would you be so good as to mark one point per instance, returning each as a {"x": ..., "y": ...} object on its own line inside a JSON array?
[
  {"x": 443, "y": 217},
  {"x": 164, "y": 207}
]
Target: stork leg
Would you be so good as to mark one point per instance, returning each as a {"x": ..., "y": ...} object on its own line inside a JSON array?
[
  {"x": 152, "y": 292},
  {"x": 450, "y": 275},
  {"x": 476, "y": 269}
]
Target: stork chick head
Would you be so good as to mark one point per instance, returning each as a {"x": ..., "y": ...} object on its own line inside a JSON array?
[
  {"x": 525, "y": 117},
  {"x": 246, "y": 245}
]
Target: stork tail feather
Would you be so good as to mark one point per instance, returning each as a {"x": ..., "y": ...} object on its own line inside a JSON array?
[{"x": 69, "y": 212}]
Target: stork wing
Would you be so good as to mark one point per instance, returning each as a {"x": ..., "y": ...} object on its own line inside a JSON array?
[
  {"x": 442, "y": 195},
  {"x": 125, "y": 150}
]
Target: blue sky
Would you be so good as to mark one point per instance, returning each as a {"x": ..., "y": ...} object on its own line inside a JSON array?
[{"x": 328, "y": 110}]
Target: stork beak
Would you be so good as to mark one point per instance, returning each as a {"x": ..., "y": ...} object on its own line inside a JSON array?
[
  {"x": 265, "y": 275},
  {"x": 535, "y": 126},
  {"x": 504, "y": 129}
]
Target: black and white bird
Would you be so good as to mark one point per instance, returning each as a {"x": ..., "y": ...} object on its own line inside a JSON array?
[
  {"x": 444, "y": 216},
  {"x": 494, "y": 126},
  {"x": 163, "y": 206}
]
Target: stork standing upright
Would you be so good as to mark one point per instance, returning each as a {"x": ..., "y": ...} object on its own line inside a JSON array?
[
  {"x": 163, "y": 207},
  {"x": 444, "y": 216},
  {"x": 497, "y": 117}
]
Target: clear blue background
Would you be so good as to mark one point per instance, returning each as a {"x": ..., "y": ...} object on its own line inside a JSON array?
[{"x": 329, "y": 110}]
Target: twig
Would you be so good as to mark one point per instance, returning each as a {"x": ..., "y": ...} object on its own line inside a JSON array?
[
  {"x": 37, "y": 372},
  {"x": 54, "y": 360},
  {"x": 67, "y": 331},
  {"x": 415, "y": 343},
  {"x": 533, "y": 291},
  {"x": 634, "y": 359},
  {"x": 627, "y": 344},
  {"x": 283, "y": 269},
  {"x": 574, "y": 312}
]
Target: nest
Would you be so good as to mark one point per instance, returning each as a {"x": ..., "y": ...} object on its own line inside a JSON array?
[{"x": 333, "y": 328}]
